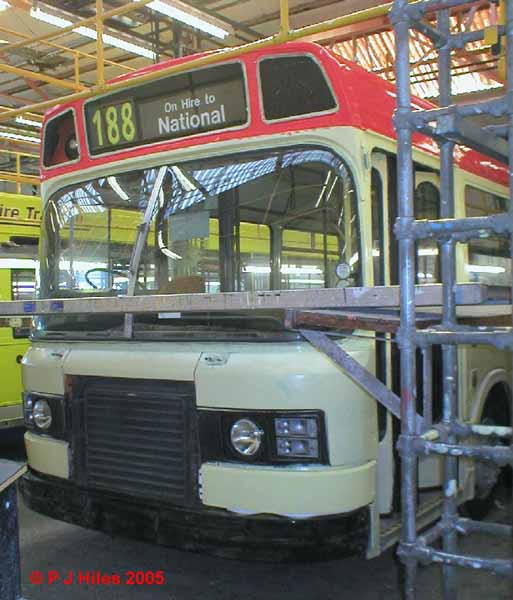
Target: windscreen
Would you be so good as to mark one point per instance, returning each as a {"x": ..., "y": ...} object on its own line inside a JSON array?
[{"x": 257, "y": 221}]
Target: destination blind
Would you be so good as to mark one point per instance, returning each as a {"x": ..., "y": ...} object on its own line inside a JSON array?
[{"x": 182, "y": 105}]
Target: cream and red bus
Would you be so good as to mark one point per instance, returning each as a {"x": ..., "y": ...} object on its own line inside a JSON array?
[{"x": 228, "y": 432}]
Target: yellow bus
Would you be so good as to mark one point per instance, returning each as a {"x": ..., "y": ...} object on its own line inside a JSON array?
[
  {"x": 230, "y": 432},
  {"x": 20, "y": 218}
]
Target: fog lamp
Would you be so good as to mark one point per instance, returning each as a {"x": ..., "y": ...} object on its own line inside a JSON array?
[
  {"x": 246, "y": 437},
  {"x": 297, "y": 447},
  {"x": 42, "y": 414},
  {"x": 297, "y": 436},
  {"x": 302, "y": 427}
]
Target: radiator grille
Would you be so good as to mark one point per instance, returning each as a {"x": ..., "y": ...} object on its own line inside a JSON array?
[{"x": 139, "y": 438}]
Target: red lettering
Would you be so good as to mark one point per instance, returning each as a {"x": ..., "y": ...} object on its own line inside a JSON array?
[
  {"x": 84, "y": 577},
  {"x": 53, "y": 576},
  {"x": 69, "y": 579}
]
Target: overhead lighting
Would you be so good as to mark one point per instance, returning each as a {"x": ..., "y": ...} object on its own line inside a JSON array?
[
  {"x": 485, "y": 269},
  {"x": 51, "y": 19},
  {"x": 9, "y": 135},
  {"x": 17, "y": 263},
  {"x": 30, "y": 122},
  {"x": 190, "y": 16},
  {"x": 4, "y": 5}
]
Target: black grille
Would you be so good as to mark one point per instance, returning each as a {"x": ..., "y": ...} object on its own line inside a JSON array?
[{"x": 136, "y": 437}]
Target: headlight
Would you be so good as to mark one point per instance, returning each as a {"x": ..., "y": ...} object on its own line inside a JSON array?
[
  {"x": 42, "y": 414},
  {"x": 246, "y": 437}
]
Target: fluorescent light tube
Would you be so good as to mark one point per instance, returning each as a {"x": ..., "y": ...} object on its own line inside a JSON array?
[
  {"x": 485, "y": 269},
  {"x": 88, "y": 32},
  {"x": 17, "y": 263},
  {"x": 4, "y": 5},
  {"x": 30, "y": 122},
  {"x": 41, "y": 15},
  {"x": 19, "y": 137},
  {"x": 190, "y": 16}
]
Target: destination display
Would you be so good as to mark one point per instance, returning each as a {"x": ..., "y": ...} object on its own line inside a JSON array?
[{"x": 178, "y": 106}]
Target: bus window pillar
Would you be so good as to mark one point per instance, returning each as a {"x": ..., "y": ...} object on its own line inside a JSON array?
[
  {"x": 228, "y": 241},
  {"x": 276, "y": 244}
]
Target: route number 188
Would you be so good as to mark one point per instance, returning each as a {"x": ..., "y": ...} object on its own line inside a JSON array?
[{"x": 114, "y": 124}]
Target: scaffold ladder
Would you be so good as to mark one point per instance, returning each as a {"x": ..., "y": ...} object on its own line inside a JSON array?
[{"x": 452, "y": 438}]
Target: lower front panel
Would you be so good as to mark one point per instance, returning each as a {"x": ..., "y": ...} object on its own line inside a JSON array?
[{"x": 218, "y": 532}]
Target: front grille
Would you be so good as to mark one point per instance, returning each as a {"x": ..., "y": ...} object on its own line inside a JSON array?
[{"x": 136, "y": 437}]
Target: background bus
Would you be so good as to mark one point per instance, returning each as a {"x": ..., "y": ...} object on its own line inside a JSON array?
[
  {"x": 207, "y": 430},
  {"x": 20, "y": 218}
]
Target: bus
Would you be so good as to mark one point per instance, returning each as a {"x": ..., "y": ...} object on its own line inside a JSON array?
[
  {"x": 20, "y": 218},
  {"x": 227, "y": 432}
]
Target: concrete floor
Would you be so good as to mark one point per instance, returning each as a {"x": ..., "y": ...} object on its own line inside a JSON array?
[{"x": 51, "y": 545}]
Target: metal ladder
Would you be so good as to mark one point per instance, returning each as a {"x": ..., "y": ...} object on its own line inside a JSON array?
[{"x": 447, "y": 125}]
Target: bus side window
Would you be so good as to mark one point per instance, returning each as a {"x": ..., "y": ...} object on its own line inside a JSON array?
[
  {"x": 23, "y": 284},
  {"x": 488, "y": 258},
  {"x": 23, "y": 287},
  {"x": 427, "y": 206},
  {"x": 378, "y": 259}
]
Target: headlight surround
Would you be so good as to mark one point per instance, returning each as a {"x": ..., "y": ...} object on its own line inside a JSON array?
[
  {"x": 45, "y": 413},
  {"x": 246, "y": 437},
  {"x": 287, "y": 438},
  {"x": 42, "y": 415}
]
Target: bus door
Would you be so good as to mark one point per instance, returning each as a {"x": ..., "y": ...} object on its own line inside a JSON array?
[
  {"x": 380, "y": 231},
  {"x": 427, "y": 206},
  {"x": 386, "y": 272}
]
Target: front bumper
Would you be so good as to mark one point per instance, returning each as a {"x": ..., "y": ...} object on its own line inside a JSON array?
[{"x": 210, "y": 530}]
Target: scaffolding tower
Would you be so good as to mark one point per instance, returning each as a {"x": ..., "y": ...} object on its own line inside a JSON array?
[{"x": 452, "y": 438}]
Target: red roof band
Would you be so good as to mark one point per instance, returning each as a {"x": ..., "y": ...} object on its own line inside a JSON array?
[{"x": 366, "y": 102}]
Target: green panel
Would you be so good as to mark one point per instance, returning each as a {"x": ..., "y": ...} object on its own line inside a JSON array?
[{"x": 11, "y": 388}]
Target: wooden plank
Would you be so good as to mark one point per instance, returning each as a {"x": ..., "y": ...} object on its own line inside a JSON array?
[
  {"x": 370, "y": 297},
  {"x": 339, "y": 320}
]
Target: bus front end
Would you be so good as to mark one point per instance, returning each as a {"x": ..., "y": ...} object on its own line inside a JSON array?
[{"x": 220, "y": 431}]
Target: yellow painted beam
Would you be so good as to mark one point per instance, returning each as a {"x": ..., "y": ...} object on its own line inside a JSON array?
[
  {"x": 18, "y": 152},
  {"x": 30, "y": 115},
  {"x": 80, "y": 53},
  {"x": 19, "y": 178},
  {"x": 40, "y": 77},
  {"x": 89, "y": 21},
  {"x": 284, "y": 18},
  {"x": 100, "y": 73}
]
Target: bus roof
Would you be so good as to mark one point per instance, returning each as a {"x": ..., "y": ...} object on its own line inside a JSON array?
[{"x": 365, "y": 101}]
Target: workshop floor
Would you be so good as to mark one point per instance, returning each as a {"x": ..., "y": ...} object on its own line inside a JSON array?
[{"x": 48, "y": 545}]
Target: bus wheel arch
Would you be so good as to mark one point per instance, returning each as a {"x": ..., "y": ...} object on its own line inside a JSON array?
[
  {"x": 494, "y": 387},
  {"x": 495, "y": 409}
]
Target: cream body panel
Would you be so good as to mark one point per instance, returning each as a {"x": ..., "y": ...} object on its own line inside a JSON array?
[
  {"x": 47, "y": 455},
  {"x": 293, "y": 493},
  {"x": 42, "y": 368},
  {"x": 135, "y": 360},
  {"x": 296, "y": 376}
]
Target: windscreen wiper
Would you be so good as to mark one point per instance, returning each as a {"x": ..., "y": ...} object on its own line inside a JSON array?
[{"x": 140, "y": 243}]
